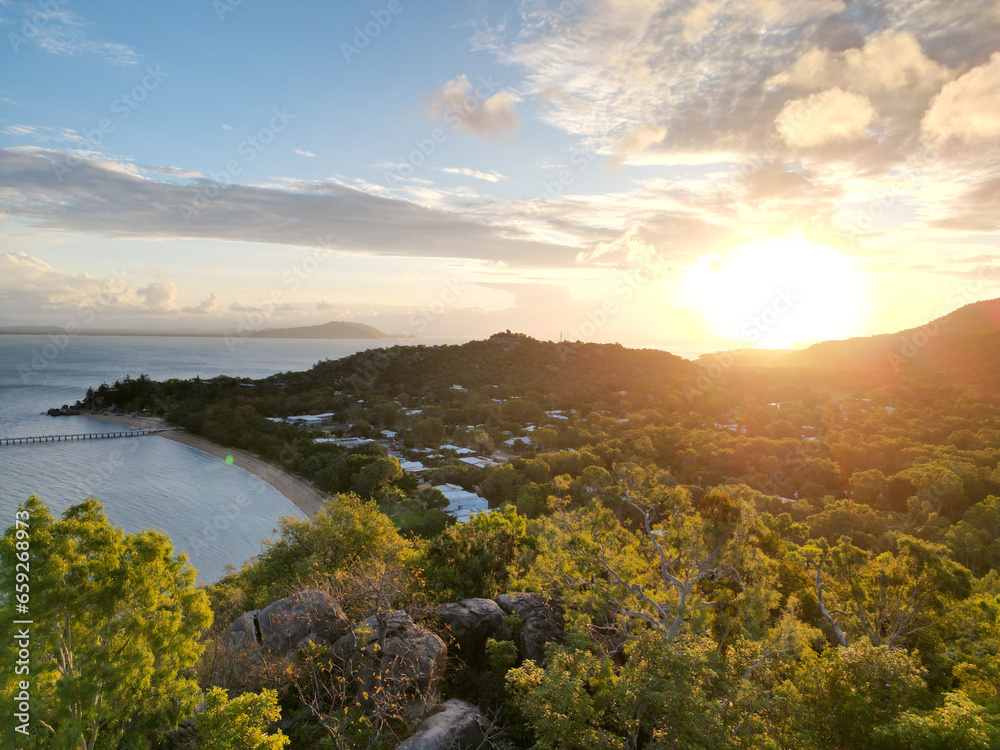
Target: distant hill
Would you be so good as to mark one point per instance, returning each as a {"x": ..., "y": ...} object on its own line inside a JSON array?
[
  {"x": 512, "y": 358},
  {"x": 336, "y": 329},
  {"x": 962, "y": 347}
]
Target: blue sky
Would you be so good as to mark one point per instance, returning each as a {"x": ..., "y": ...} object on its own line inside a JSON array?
[{"x": 641, "y": 171}]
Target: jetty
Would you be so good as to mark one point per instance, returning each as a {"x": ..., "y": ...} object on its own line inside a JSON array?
[{"x": 80, "y": 436}]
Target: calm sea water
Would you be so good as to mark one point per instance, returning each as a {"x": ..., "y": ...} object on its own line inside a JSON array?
[{"x": 216, "y": 512}]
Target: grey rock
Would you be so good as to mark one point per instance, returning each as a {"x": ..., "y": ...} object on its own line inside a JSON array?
[
  {"x": 390, "y": 657},
  {"x": 460, "y": 724},
  {"x": 541, "y": 622},
  {"x": 471, "y": 621},
  {"x": 286, "y": 622}
]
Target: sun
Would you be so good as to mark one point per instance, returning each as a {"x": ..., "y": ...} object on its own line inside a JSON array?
[{"x": 777, "y": 293}]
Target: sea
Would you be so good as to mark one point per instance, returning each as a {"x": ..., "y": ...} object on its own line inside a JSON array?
[{"x": 217, "y": 513}]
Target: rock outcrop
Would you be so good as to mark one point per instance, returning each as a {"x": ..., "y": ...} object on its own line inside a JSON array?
[
  {"x": 394, "y": 665},
  {"x": 65, "y": 410},
  {"x": 459, "y": 725},
  {"x": 285, "y": 623},
  {"x": 275, "y": 632},
  {"x": 541, "y": 622},
  {"x": 471, "y": 621}
]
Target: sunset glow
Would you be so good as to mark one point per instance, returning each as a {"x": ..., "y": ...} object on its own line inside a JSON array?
[{"x": 778, "y": 293}]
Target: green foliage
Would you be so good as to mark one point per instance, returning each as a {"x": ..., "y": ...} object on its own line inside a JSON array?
[
  {"x": 347, "y": 534},
  {"x": 117, "y": 621},
  {"x": 667, "y": 692},
  {"x": 959, "y": 724},
  {"x": 569, "y": 703},
  {"x": 241, "y": 723},
  {"x": 476, "y": 558}
]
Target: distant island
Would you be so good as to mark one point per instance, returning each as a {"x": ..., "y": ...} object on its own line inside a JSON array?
[{"x": 335, "y": 329}]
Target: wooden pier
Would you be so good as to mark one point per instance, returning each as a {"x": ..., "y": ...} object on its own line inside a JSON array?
[{"x": 81, "y": 436}]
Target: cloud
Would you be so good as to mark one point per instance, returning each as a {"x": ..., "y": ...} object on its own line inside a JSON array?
[
  {"x": 30, "y": 287},
  {"x": 829, "y": 116},
  {"x": 65, "y": 33},
  {"x": 208, "y": 305},
  {"x": 968, "y": 108},
  {"x": 636, "y": 141},
  {"x": 485, "y": 176},
  {"x": 300, "y": 152},
  {"x": 468, "y": 110},
  {"x": 103, "y": 198},
  {"x": 227, "y": 127},
  {"x": 158, "y": 296},
  {"x": 629, "y": 250},
  {"x": 45, "y": 134},
  {"x": 175, "y": 172},
  {"x": 888, "y": 62}
]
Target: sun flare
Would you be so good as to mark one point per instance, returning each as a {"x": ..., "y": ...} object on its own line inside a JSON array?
[{"x": 777, "y": 293}]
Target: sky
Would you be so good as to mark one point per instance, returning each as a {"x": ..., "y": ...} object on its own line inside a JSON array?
[{"x": 708, "y": 173}]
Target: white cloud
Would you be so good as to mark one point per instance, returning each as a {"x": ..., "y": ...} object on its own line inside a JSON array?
[
  {"x": 159, "y": 295},
  {"x": 300, "y": 152},
  {"x": 827, "y": 117},
  {"x": 485, "y": 176},
  {"x": 468, "y": 109},
  {"x": 227, "y": 127},
  {"x": 102, "y": 197},
  {"x": 65, "y": 33},
  {"x": 636, "y": 141},
  {"x": 968, "y": 108},
  {"x": 888, "y": 62},
  {"x": 44, "y": 134}
]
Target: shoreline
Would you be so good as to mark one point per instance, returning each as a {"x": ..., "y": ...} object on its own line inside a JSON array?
[{"x": 299, "y": 492}]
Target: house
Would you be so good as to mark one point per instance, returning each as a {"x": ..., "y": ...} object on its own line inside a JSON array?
[
  {"x": 413, "y": 467},
  {"x": 477, "y": 461},
  {"x": 387, "y": 434},
  {"x": 462, "y": 504},
  {"x": 457, "y": 450}
]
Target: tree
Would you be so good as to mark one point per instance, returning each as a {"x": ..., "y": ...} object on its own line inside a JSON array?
[
  {"x": 676, "y": 568},
  {"x": 474, "y": 559},
  {"x": 887, "y": 598},
  {"x": 348, "y": 533},
  {"x": 117, "y": 620},
  {"x": 960, "y": 724},
  {"x": 241, "y": 723}
]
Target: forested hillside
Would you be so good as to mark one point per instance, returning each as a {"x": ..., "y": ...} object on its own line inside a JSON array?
[{"x": 680, "y": 555}]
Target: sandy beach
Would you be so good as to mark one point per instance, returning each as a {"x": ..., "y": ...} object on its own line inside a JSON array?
[{"x": 303, "y": 495}]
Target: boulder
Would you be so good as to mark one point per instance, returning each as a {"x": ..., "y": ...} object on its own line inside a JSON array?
[
  {"x": 243, "y": 631},
  {"x": 395, "y": 665},
  {"x": 275, "y": 631},
  {"x": 459, "y": 725},
  {"x": 541, "y": 622},
  {"x": 286, "y": 622},
  {"x": 471, "y": 622}
]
